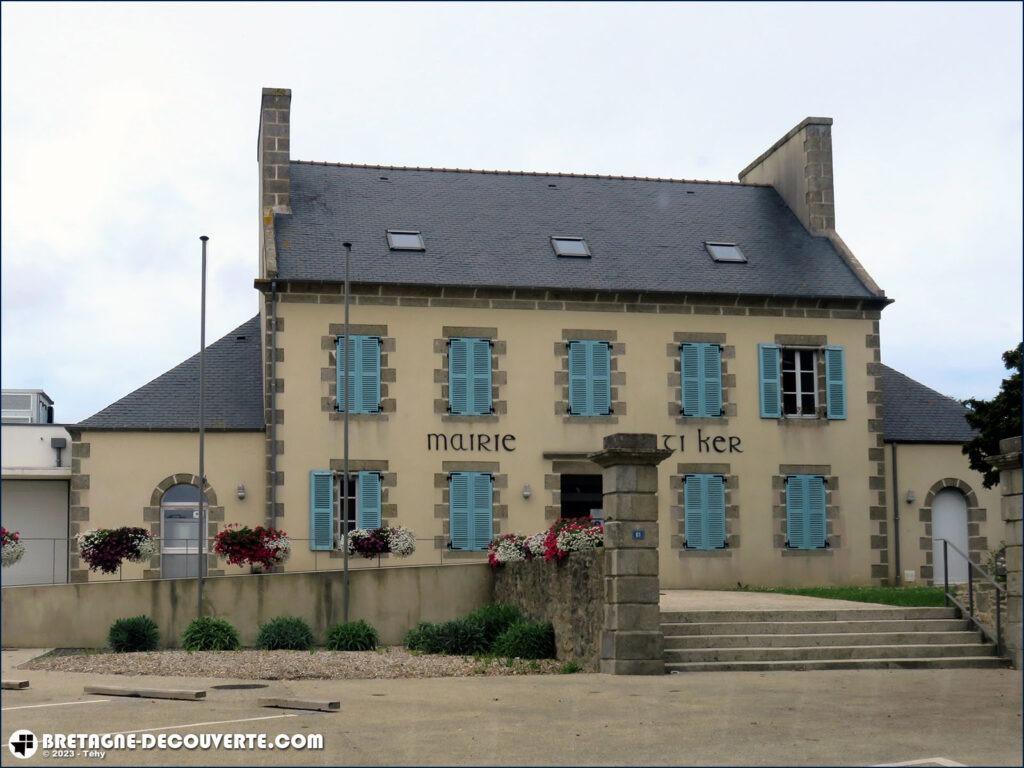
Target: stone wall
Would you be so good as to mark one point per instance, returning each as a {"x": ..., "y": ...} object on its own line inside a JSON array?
[
  {"x": 569, "y": 594},
  {"x": 984, "y": 604}
]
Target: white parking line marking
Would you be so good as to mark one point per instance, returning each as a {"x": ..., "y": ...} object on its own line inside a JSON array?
[
  {"x": 196, "y": 725},
  {"x": 926, "y": 761},
  {"x": 58, "y": 704}
]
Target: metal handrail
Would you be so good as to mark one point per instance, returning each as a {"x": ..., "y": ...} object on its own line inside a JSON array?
[{"x": 969, "y": 608}]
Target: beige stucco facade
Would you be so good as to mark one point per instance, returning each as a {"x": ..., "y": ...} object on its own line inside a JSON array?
[
  {"x": 754, "y": 454},
  {"x": 922, "y": 470},
  {"x": 120, "y": 477}
]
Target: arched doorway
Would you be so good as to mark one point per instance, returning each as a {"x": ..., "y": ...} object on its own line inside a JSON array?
[{"x": 949, "y": 521}]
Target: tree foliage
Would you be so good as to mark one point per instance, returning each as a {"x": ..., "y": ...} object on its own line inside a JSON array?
[{"x": 995, "y": 419}]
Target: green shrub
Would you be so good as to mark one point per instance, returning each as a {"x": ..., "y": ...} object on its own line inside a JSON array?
[
  {"x": 570, "y": 668},
  {"x": 285, "y": 633},
  {"x": 138, "y": 633},
  {"x": 354, "y": 636},
  {"x": 527, "y": 640},
  {"x": 209, "y": 634},
  {"x": 423, "y": 638},
  {"x": 461, "y": 637},
  {"x": 495, "y": 619}
]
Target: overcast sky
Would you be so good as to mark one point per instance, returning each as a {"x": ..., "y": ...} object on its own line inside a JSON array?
[{"x": 129, "y": 130}]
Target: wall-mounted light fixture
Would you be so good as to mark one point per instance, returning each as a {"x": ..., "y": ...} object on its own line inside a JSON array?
[
  {"x": 527, "y": 491},
  {"x": 240, "y": 492},
  {"x": 911, "y": 497}
]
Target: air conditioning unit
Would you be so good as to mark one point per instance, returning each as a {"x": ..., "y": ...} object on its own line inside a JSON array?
[{"x": 26, "y": 406}]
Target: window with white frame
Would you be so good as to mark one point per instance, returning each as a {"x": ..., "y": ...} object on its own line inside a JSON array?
[{"x": 799, "y": 382}]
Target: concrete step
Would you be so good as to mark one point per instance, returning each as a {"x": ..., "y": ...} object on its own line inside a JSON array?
[
  {"x": 827, "y": 653},
  {"x": 956, "y": 662},
  {"x": 824, "y": 639},
  {"x": 672, "y": 629},
  {"x": 842, "y": 614}
]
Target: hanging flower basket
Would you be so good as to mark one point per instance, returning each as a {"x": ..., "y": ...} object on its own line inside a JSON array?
[
  {"x": 260, "y": 547},
  {"x": 371, "y": 542},
  {"x": 507, "y": 548},
  {"x": 105, "y": 549},
  {"x": 13, "y": 548},
  {"x": 572, "y": 535}
]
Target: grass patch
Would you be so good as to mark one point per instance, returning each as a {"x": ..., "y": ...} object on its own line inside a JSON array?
[{"x": 902, "y": 596}]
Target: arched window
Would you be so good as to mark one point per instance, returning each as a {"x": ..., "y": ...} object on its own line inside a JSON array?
[{"x": 179, "y": 533}]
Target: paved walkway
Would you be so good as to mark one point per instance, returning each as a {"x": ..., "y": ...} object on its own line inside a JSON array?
[
  {"x": 869, "y": 717},
  {"x": 731, "y": 600}
]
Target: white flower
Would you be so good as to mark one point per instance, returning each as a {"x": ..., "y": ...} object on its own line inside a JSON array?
[
  {"x": 281, "y": 547},
  {"x": 13, "y": 551},
  {"x": 509, "y": 551},
  {"x": 148, "y": 547},
  {"x": 535, "y": 544},
  {"x": 401, "y": 541}
]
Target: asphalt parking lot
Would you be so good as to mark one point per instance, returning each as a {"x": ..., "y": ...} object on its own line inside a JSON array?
[{"x": 968, "y": 717}]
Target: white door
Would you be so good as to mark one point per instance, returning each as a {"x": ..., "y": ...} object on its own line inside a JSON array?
[
  {"x": 949, "y": 521},
  {"x": 38, "y": 510}
]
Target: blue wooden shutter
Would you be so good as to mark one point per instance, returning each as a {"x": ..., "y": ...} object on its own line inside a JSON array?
[
  {"x": 796, "y": 506},
  {"x": 600, "y": 378},
  {"x": 815, "y": 512},
  {"x": 481, "y": 514},
  {"x": 689, "y": 371},
  {"x": 343, "y": 390},
  {"x": 458, "y": 376},
  {"x": 693, "y": 512},
  {"x": 321, "y": 509},
  {"x": 835, "y": 382},
  {"x": 769, "y": 376},
  {"x": 711, "y": 375},
  {"x": 579, "y": 388},
  {"x": 368, "y": 366},
  {"x": 480, "y": 376},
  {"x": 714, "y": 501},
  {"x": 368, "y": 500},
  {"x": 459, "y": 509},
  {"x": 704, "y": 511}
]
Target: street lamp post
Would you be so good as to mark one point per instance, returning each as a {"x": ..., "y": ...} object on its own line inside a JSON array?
[
  {"x": 202, "y": 438},
  {"x": 348, "y": 354}
]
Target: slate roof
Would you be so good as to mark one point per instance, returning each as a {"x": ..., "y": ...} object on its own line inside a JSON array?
[
  {"x": 913, "y": 413},
  {"x": 234, "y": 391},
  {"x": 493, "y": 229}
]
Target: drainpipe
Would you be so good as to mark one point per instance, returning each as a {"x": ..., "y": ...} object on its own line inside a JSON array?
[
  {"x": 273, "y": 403},
  {"x": 896, "y": 516}
]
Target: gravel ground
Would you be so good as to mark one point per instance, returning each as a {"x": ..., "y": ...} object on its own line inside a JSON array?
[{"x": 287, "y": 665}]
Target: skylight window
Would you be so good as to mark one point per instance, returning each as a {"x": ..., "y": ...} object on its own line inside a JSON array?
[
  {"x": 574, "y": 247},
  {"x": 726, "y": 252},
  {"x": 405, "y": 240}
]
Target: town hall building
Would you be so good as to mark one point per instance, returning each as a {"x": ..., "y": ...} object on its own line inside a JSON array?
[{"x": 502, "y": 324}]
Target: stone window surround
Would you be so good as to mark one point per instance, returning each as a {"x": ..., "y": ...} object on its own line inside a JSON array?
[
  {"x": 678, "y": 511},
  {"x": 329, "y": 373},
  {"x": 977, "y": 544},
  {"x": 833, "y": 529},
  {"x": 618, "y": 378},
  {"x": 675, "y": 407},
  {"x": 388, "y": 480},
  {"x": 499, "y": 377},
  {"x": 817, "y": 344},
  {"x": 553, "y": 480},
  {"x": 152, "y": 514},
  {"x": 442, "y": 510}
]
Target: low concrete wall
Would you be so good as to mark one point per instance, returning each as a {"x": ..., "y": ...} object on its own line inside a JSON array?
[
  {"x": 391, "y": 599},
  {"x": 569, "y": 594}
]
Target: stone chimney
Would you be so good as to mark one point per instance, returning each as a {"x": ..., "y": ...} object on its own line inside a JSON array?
[
  {"x": 799, "y": 166},
  {"x": 273, "y": 155}
]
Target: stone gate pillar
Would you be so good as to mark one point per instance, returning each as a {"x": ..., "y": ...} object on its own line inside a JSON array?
[
  {"x": 1008, "y": 462},
  {"x": 631, "y": 643}
]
